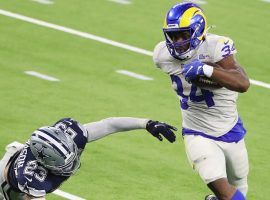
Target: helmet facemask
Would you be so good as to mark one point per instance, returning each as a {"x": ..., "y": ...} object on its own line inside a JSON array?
[
  {"x": 182, "y": 42},
  {"x": 72, "y": 165},
  {"x": 184, "y": 30}
]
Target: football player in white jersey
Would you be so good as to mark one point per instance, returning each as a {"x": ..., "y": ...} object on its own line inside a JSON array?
[
  {"x": 212, "y": 129},
  {"x": 52, "y": 154}
]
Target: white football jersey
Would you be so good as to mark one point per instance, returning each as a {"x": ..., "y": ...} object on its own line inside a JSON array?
[{"x": 207, "y": 110}]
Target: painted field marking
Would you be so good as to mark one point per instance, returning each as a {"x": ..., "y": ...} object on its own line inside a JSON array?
[
  {"x": 47, "y": 2},
  {"x": 121, "y": 1},
  {"x": 259, "y": 83},
  {"x": 134, "y": 75},
  {"x": 197, "y": 1},
  {"x": 75, "y": 32},
  {"x": 93, "y": 37},
  {"x": 267, "y": 1},
  {"x": 67, "y": 195},
  {"x": 42, "y": 76}
]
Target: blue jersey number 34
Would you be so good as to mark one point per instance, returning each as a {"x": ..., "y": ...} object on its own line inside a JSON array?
[{"x": 206, "y": 95}]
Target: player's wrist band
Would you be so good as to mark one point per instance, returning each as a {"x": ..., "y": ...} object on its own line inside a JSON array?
[{"x": 208, "y": 70}]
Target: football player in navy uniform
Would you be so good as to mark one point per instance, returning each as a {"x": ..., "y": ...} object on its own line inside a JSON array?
[
  {"x": 207, "y": 79},
  {"x": 52, "y": 154}
]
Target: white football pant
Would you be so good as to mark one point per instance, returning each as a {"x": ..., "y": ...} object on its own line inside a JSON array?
[{"x": 215, "y": 159}]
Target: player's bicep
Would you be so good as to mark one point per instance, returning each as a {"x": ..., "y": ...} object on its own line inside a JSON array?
[
  {"x": 230, "y": 63},
  {"x": 231, "y": 75}
]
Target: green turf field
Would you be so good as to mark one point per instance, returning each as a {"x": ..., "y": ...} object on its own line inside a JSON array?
[{"x": 132, "y": 165}]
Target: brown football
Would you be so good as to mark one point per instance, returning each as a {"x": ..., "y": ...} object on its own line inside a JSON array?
[{"x": 205, "y": 82}]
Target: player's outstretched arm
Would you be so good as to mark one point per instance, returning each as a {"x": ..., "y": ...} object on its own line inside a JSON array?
[{"x": 100, "y": 129}]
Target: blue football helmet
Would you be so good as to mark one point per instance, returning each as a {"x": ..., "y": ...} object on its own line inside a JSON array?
[
  {"x": 187, "y": 22},
  {"x": 55, "y": 150}
]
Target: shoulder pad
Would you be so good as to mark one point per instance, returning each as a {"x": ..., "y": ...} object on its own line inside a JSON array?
[
  {"x": 77, "y": 132},
  {"x": 224, "y": 47},
  {"x": 161, "y": 53},
  {"x": 163, "y": 59}
]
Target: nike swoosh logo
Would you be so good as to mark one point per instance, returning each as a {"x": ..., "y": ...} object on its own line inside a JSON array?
[
  {"x": 189, "y": 69},
  {"x": 29, "y": 179},
  {"x": 198, "y": 70},
  {"x": 70, "y": 123},
  {"x": 157, "y": 125}
]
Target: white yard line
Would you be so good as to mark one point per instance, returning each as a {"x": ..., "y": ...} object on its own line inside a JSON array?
[
  {"x": 67, "y": 195},
  {"x": 42, "y": 76},
  {"x": 93, "y": 37},
  {"x": 75, "y": 32},
  {"x": 134, "y": 75},
  {"x": 47, "y": 2},
  {"x": 259, "y": 83},
  {"x": 102, "y": 40},
  {"x": 121, "y": 1},
  {"x": 197, "y": 1},
  {"x": 267, "y": 1}
]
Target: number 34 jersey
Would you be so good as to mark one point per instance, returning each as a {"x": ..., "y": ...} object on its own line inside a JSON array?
[{"x": 209, "y": 111}]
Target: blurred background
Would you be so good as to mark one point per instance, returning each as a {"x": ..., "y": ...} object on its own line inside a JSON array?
[{"x": 87, "y": 87}]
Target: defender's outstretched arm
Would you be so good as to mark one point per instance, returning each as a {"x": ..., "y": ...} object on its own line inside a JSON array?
[{"x": 100, "y": 129}]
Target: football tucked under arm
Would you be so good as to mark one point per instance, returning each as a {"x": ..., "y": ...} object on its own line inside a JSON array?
[{"x": 205, "y": 82}]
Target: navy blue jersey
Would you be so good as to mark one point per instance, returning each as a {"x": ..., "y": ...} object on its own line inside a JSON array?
[
  {"x": 28, "y": 176},
  {"x": 77, "y": 132}
]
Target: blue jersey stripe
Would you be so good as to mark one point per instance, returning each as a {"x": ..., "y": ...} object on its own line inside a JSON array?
[{"x": 236, "y": 134}]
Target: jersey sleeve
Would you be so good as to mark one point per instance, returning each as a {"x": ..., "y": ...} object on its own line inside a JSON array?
[
  {"x": 157, "y": 55},
  {"x": 111, "y": 125},
  {"x": 224, "y": 47}
]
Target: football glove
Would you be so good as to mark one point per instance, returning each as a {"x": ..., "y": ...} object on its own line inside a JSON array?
[
  {"x": 192, "y": 70},
  {"x": 157, "y": 129}
]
